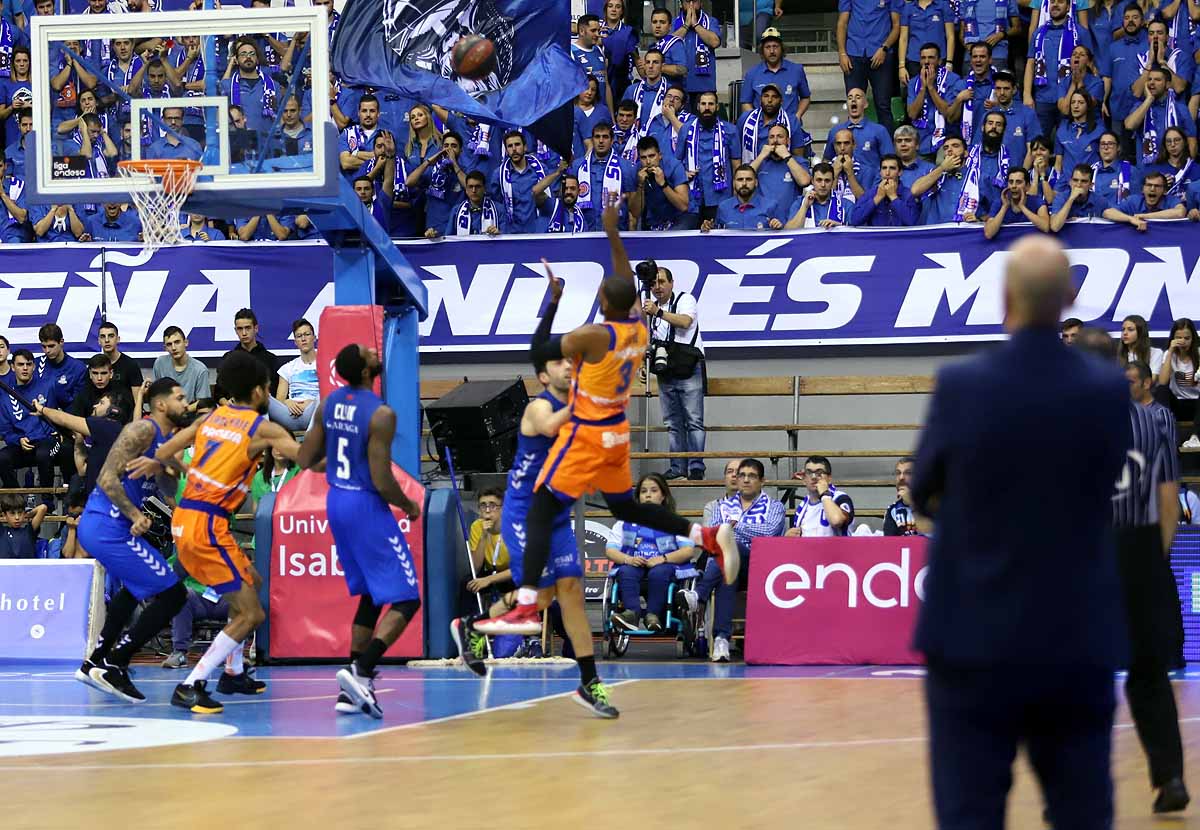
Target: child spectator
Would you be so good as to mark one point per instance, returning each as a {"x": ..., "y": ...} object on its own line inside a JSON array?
[{"x": 18, "y": 535}]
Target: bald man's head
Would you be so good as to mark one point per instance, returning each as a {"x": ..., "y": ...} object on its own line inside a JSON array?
[{"x": 1037, "y": 283}]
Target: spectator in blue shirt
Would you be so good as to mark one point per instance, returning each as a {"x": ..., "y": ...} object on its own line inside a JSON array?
[
  {"x": 268, "y": 227},
  {"x": 1153, "y": 203},
  {"x": 921, "y": 22},
  {"x": 475, "y": 215},
  {"x": 56, "y": 223},
  {"x": 709, "y": 149},
  {"x": 866, "y": 32},
  {"x": 356, "y": 144},
  {"x": 912, "y": 166},
  {"x": 512, "y": 186},
  {"x": 889, "y": 203},
  {"x": 250, "y": 88},
  {"x": 65, "y": 373},
  {"x": 561, "y": 214},
  {"x": 29, "y": 441},
  {"x": 1174, "y": 162},
  {"x": 940, "y": 190},
  {"x": 701, "y": 36},
  {"x": 1113, "y": 177},
  {"x": 675, "y": 65},
  {"x": 819, "y": 207},
  {"x": 600, "y": 170},
  {"x": 197, "y": 229},
  {"x": 1122, "y": 68},
  {"x": 980, "y": 79},
  {"x": 754, "y": 126},
  {"x": 746, "y": 209},
  {"x": 1159, "y": 52},
  {"x": 668, "y": 126},
  {"x": 113, "y": 224},
  {"x": 14, "y": 227},
  {"x": 983, "y": 21},
  {"x": 871, "y": 140},
  {"x": 1158, "y": 110},
  {"x": 661, "y": 200},
  {"x": 851, "y": 174},
  {"x": 1021, "y": 125},
  {"x": 292, "y": 137},
  {"x": 588, "y": 53},
  {"x": 781, "y": 176},
  {"x": 1078, "y": 139},
  {"x": 588, "y": 113},
  {"x": 1083, "y": 77},
  {"x": 935, "y": 100},
  {"x": 443, "y": 176},
  {"x": 789, "y": 78},
  {"x": 1078, "y": 202},
  {"x": 620, "y": 46},
  {"x": 1049, "y": 62},
  {"x": 1192, "y": 202},
  {"x": 170, "y": 146},
  {"x": 1013, "y": 204}
]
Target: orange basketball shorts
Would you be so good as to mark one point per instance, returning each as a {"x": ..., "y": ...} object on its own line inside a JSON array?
[
  {"x": 207, "y": 549},
  {"x": 589, "y": 456}
]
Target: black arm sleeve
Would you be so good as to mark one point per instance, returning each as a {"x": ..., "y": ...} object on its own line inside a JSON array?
[
  {"x": 543, "y": 348},
  {"x": 542, "y": 333}
]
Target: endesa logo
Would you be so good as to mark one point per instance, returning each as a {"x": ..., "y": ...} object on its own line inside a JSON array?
[{"x": 883, "y": 585}]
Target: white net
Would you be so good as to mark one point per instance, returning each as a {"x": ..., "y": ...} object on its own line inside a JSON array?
[{"x": 158, "y": 192}]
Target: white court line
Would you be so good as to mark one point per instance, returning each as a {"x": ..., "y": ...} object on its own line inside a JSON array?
[
  {"x": 146, "y": 705},
  {"x": 516, "y": 704}
]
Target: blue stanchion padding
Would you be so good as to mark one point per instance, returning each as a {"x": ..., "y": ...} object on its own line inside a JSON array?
[
  {"x": 263, "y": 527},
  {"x": 445, "y": 551}
]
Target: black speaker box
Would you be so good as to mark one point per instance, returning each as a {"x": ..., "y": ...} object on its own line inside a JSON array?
[{"x": 478, "y": 421}]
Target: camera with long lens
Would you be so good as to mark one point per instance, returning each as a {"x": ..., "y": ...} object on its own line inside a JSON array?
[
  {"x": 647, "y": 273},
  {"x": 656, "y": 350}
]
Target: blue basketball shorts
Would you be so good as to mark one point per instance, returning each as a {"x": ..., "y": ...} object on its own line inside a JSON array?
[
  {"x": 373, "y": 552},
  {"x": 130, "y": 559},
  {"x": 564, "y": 558}
]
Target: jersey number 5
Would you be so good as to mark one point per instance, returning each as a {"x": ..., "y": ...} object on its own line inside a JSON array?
[{"x": 343, "y": 463}]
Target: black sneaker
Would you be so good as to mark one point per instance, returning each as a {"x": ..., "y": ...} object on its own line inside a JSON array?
[
  {"x": 594, "y": 696},
  {"x": 113, "y": 680},
  {"x": 672, "y": 475},
  {"x": 696, "y": 475},
  {"x": 240, "y": 684},
  {"x": 83, "y": 673},
  {"x": 1172, "y": 798},
  {"x": 360, "y": 688},
  {"x": 344, "y": 705},
  {"x": 470, "y": 658},
  {"x": 625, "y": 620},
  {"x": 195, "y": 698}
]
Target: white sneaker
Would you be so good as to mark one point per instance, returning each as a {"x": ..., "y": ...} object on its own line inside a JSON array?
[
  {"x": 720, "y": 652},
  {"x": 1192, "y": 442},
  {"x": 691, "y": 598},
  {"x": 360, "y": 690}
]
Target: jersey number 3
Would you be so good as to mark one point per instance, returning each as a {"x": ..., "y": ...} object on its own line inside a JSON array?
[
  {"x": 343, "y": 463},
  {"x": 626, "y": 377}
]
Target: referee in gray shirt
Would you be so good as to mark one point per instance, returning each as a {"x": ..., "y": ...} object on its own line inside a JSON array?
[{"x": 1146, "y": 513}]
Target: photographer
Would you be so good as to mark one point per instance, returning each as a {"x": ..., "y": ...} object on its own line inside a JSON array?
[{"x": 677, "y": 358}]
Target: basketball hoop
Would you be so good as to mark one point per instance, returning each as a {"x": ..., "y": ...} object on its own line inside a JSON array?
[{"x": 159, "y": 188}]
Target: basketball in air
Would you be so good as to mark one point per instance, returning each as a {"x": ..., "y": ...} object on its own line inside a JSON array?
[{"x": 474, "y": 57}]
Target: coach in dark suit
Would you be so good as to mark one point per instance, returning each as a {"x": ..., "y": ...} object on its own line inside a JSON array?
[{"x": 1022, "y": 624}]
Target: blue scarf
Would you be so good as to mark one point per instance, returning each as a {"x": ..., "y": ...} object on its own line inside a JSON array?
[
  {"x": 625, "y": 142},
  {"x": 559, "y": 216},
  {"x": 1150, "y": 129},
  {"x": 720, "y": 169},
  {"x": 480, "y": 142},
  {"x": 6, "y": 47},
  {"x": 268, "y": 94},
  {"x": 506, "y": 177},
  {"x": 968, "y": 111},
  {"x": 1066, "y": 46},
  {"x": 1124, "y": 176},
  {"x": 490, "y": 217},
  {"x": 439, "y": 178},
  {"x": 1179, "y": 180},
  {"x": 754, "y": 122},
  {"x": 968, "y": 199},
  {"x": 645, "y": 116},
  {"x": 195, "y": 73},
  {"x": 730, "y": 509},
  {"x": 703, "y": 65},
  {"x": 612, "y": 178},
  {"x": 932, "y": 115}
]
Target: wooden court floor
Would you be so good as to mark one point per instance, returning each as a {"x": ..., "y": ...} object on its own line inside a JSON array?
[{"x": 734, "y": 752}]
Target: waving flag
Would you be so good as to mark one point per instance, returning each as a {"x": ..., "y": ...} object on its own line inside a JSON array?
[{"x": 406, "y": 46}]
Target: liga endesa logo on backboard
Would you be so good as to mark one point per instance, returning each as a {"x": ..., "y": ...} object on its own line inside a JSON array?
[{"x": 834, "y": 600}]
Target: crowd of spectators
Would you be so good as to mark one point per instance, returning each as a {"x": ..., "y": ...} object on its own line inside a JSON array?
[{"x": 1034, "y": 112}]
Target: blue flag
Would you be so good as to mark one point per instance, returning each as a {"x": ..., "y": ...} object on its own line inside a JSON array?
[{"x": 406, "y": 46}]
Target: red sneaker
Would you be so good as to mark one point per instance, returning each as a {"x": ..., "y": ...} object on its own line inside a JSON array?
[
  {"x": 523, "y": 619},
  {"x": 719, "y": 542}
]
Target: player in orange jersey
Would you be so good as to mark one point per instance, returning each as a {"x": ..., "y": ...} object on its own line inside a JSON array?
[
  {"x": 226, "y": 446},
  {"x": 592, "y": 453}
]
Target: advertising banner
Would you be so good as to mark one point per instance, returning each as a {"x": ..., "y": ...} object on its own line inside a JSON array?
[
  {"x": 311, "y": 609},
  {"x": 754, "y": 289},
  {"x": 834, "y": 600},
  {"x": 46, "y": 607}
]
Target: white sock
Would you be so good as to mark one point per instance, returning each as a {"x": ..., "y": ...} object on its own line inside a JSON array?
[
  {"x": 221, "y": 648},
  {"x": 233, "y": 664},
  {"x": 696, "y": 534},
  {"x": 526, "y": 596}
]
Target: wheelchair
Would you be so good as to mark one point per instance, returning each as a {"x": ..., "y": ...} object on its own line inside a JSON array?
[{"x": 682, "y": 616}]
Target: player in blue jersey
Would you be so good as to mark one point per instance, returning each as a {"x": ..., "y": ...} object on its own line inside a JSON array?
[
  {"x": 352, "y": 432},
  {"x": 110, "y": 530},
  {"x": 540, "y": 423}
]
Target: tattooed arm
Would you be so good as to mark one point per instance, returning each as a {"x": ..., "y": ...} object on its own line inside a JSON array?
[{"x": 133, "y": 441}]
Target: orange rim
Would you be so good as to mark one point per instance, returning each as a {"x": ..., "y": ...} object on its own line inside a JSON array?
[{"x": 174, "y": 174}]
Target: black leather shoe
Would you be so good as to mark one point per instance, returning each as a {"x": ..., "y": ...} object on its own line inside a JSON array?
[
  {"x": 1172, "y": 797},
  {"x": 696, "y": 475}
]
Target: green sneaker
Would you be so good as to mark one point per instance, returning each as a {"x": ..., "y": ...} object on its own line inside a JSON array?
[
  {"x": 478, "y": 644},
  {"x": 594, "y": 696},
  {"x": 472, "y": 656}
]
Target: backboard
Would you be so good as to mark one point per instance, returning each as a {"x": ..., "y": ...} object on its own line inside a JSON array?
[{"x": 182, "y": 84}]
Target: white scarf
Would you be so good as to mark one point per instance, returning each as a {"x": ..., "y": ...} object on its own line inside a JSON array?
[
  {"x": 750, "y": 130},
  {"x": 612, "y": 178},
  {"x": 1179, "y": 181},
  {"x": 268, "y": 94},
  {"x": 558, "y": 218},
  {"x": 968, "y": 112},
  {"x": 939, "y": 120},
  {"x": 506, "y": 174},
  {"x": 1150, "y": 130},
  {"x": 968, "y": 199},
  {"x": 731, "y": 509},
  {"x": 720, "y": 179},
  {"x": 489, "y": 219},
  {"x": 646, "y": 116},
  {"x": 1066, "y": 45},
  {"x": 1124, "y": 175}
]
